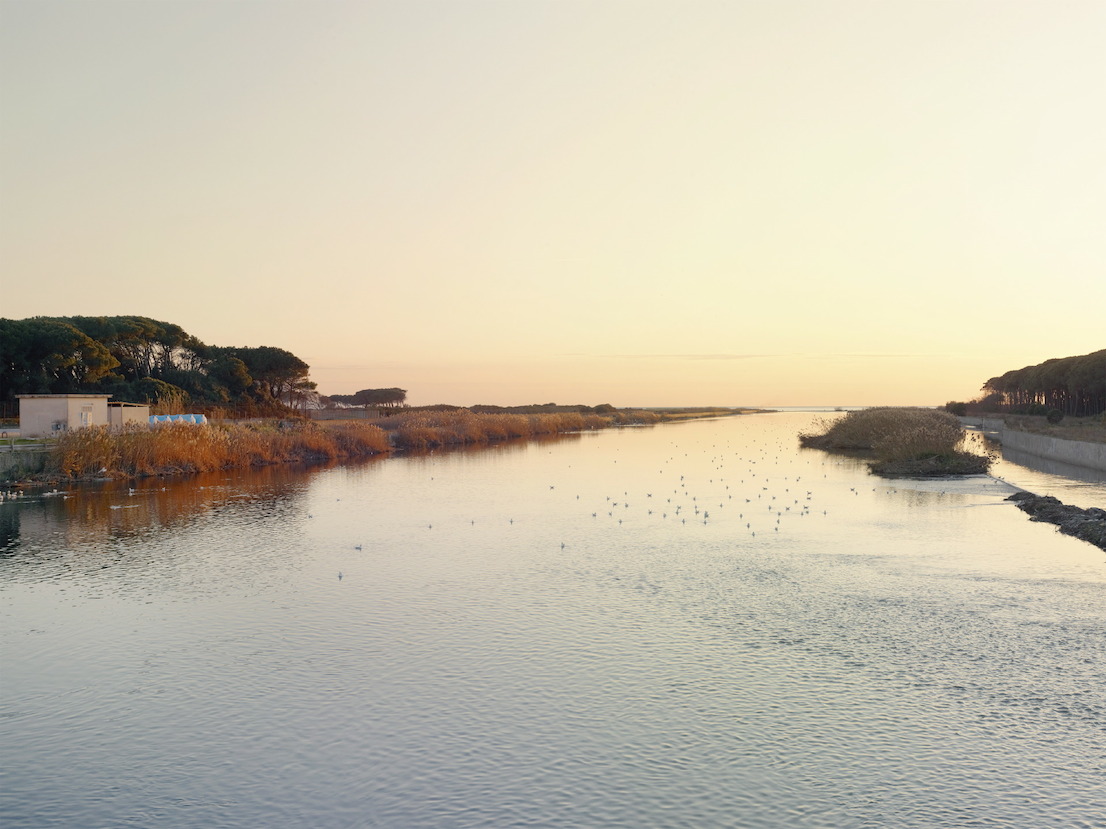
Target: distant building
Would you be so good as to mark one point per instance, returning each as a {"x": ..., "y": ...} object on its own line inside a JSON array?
[{"x": 41, "y": 415}]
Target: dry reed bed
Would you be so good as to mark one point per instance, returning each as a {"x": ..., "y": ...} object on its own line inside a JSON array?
[
  {"x": 904, "y": 441},
  {"x": 180, "y": 447},
  {"x": 431, "y": 430}
]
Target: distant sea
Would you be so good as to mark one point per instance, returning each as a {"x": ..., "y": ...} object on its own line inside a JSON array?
[{"x": 814, "y": 408}]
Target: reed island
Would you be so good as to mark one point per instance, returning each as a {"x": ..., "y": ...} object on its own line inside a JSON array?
[{"x": 901, "y": 442}]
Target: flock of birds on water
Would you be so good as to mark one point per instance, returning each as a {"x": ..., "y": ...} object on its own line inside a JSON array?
[
  {"x": 749, "y": 490},
  {"x": 65, "y": 495},
  {"x": 762, "y": 501},
  {"x": 751, "y": 484},
  {"x": 745, "y": 488}
]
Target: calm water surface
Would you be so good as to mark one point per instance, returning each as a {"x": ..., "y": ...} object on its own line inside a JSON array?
[{"x": 694, "y": 625}]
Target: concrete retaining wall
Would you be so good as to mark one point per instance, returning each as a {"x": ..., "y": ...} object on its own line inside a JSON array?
[
  {"x": 19, "y": 464},
  {"x": 1076, "y": 452},
  {"x": 984, "y": 424}
]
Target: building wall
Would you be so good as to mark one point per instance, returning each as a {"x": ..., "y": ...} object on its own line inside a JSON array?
[
  {"x": 122, "y": 415},
  {"x": 87, "y": 411},
  {"x": 38, "y": 415}
]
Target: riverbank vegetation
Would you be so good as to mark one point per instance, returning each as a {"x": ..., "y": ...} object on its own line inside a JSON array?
[
  {"x": 901, "y": 442},
  {"x": 434, "y": 429},
  {"x": 669, "y": 414},
  {"x": 138, "y": 451}
]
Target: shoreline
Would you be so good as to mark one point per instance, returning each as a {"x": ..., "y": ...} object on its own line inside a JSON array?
[
  {"x": 1085, "y": 524},
  {"x": 1082, "y": 444},
  {"x": 310, "y": 442}
]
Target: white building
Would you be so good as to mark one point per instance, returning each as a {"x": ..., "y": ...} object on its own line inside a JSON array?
[{"x": 41, "y": 415}]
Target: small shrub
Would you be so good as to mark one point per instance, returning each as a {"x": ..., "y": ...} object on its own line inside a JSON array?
[{"x": 1054, "y": 416}]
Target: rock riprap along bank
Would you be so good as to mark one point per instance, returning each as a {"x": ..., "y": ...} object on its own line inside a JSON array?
[{"x": 1087, "y": 524}]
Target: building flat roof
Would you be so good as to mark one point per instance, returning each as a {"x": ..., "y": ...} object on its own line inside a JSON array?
[{"x": 25, "y": 396}]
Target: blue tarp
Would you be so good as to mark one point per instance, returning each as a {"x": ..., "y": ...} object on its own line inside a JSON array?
[{"x": 178, "y": 418}]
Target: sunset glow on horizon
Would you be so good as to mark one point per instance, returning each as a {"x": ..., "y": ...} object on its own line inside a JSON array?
[{"x": 638, "y": 203}]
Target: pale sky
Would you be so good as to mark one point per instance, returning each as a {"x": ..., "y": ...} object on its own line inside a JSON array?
[{"x": 641, "y": 203}]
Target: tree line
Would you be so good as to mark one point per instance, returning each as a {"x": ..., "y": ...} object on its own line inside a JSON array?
[
  {"x": 138, "y": 359},
  {"x": 1074, "y": 386},
  {"x": 386, "y": 398}
]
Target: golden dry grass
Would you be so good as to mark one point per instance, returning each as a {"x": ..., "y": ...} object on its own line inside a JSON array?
[
  {"x": 433, "y": 429},
  {"x": 914, "y": 428},
  {"x": 180, "y": 447}
]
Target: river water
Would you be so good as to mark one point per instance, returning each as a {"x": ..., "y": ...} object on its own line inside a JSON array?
[{"x": 690, "y": 625}]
